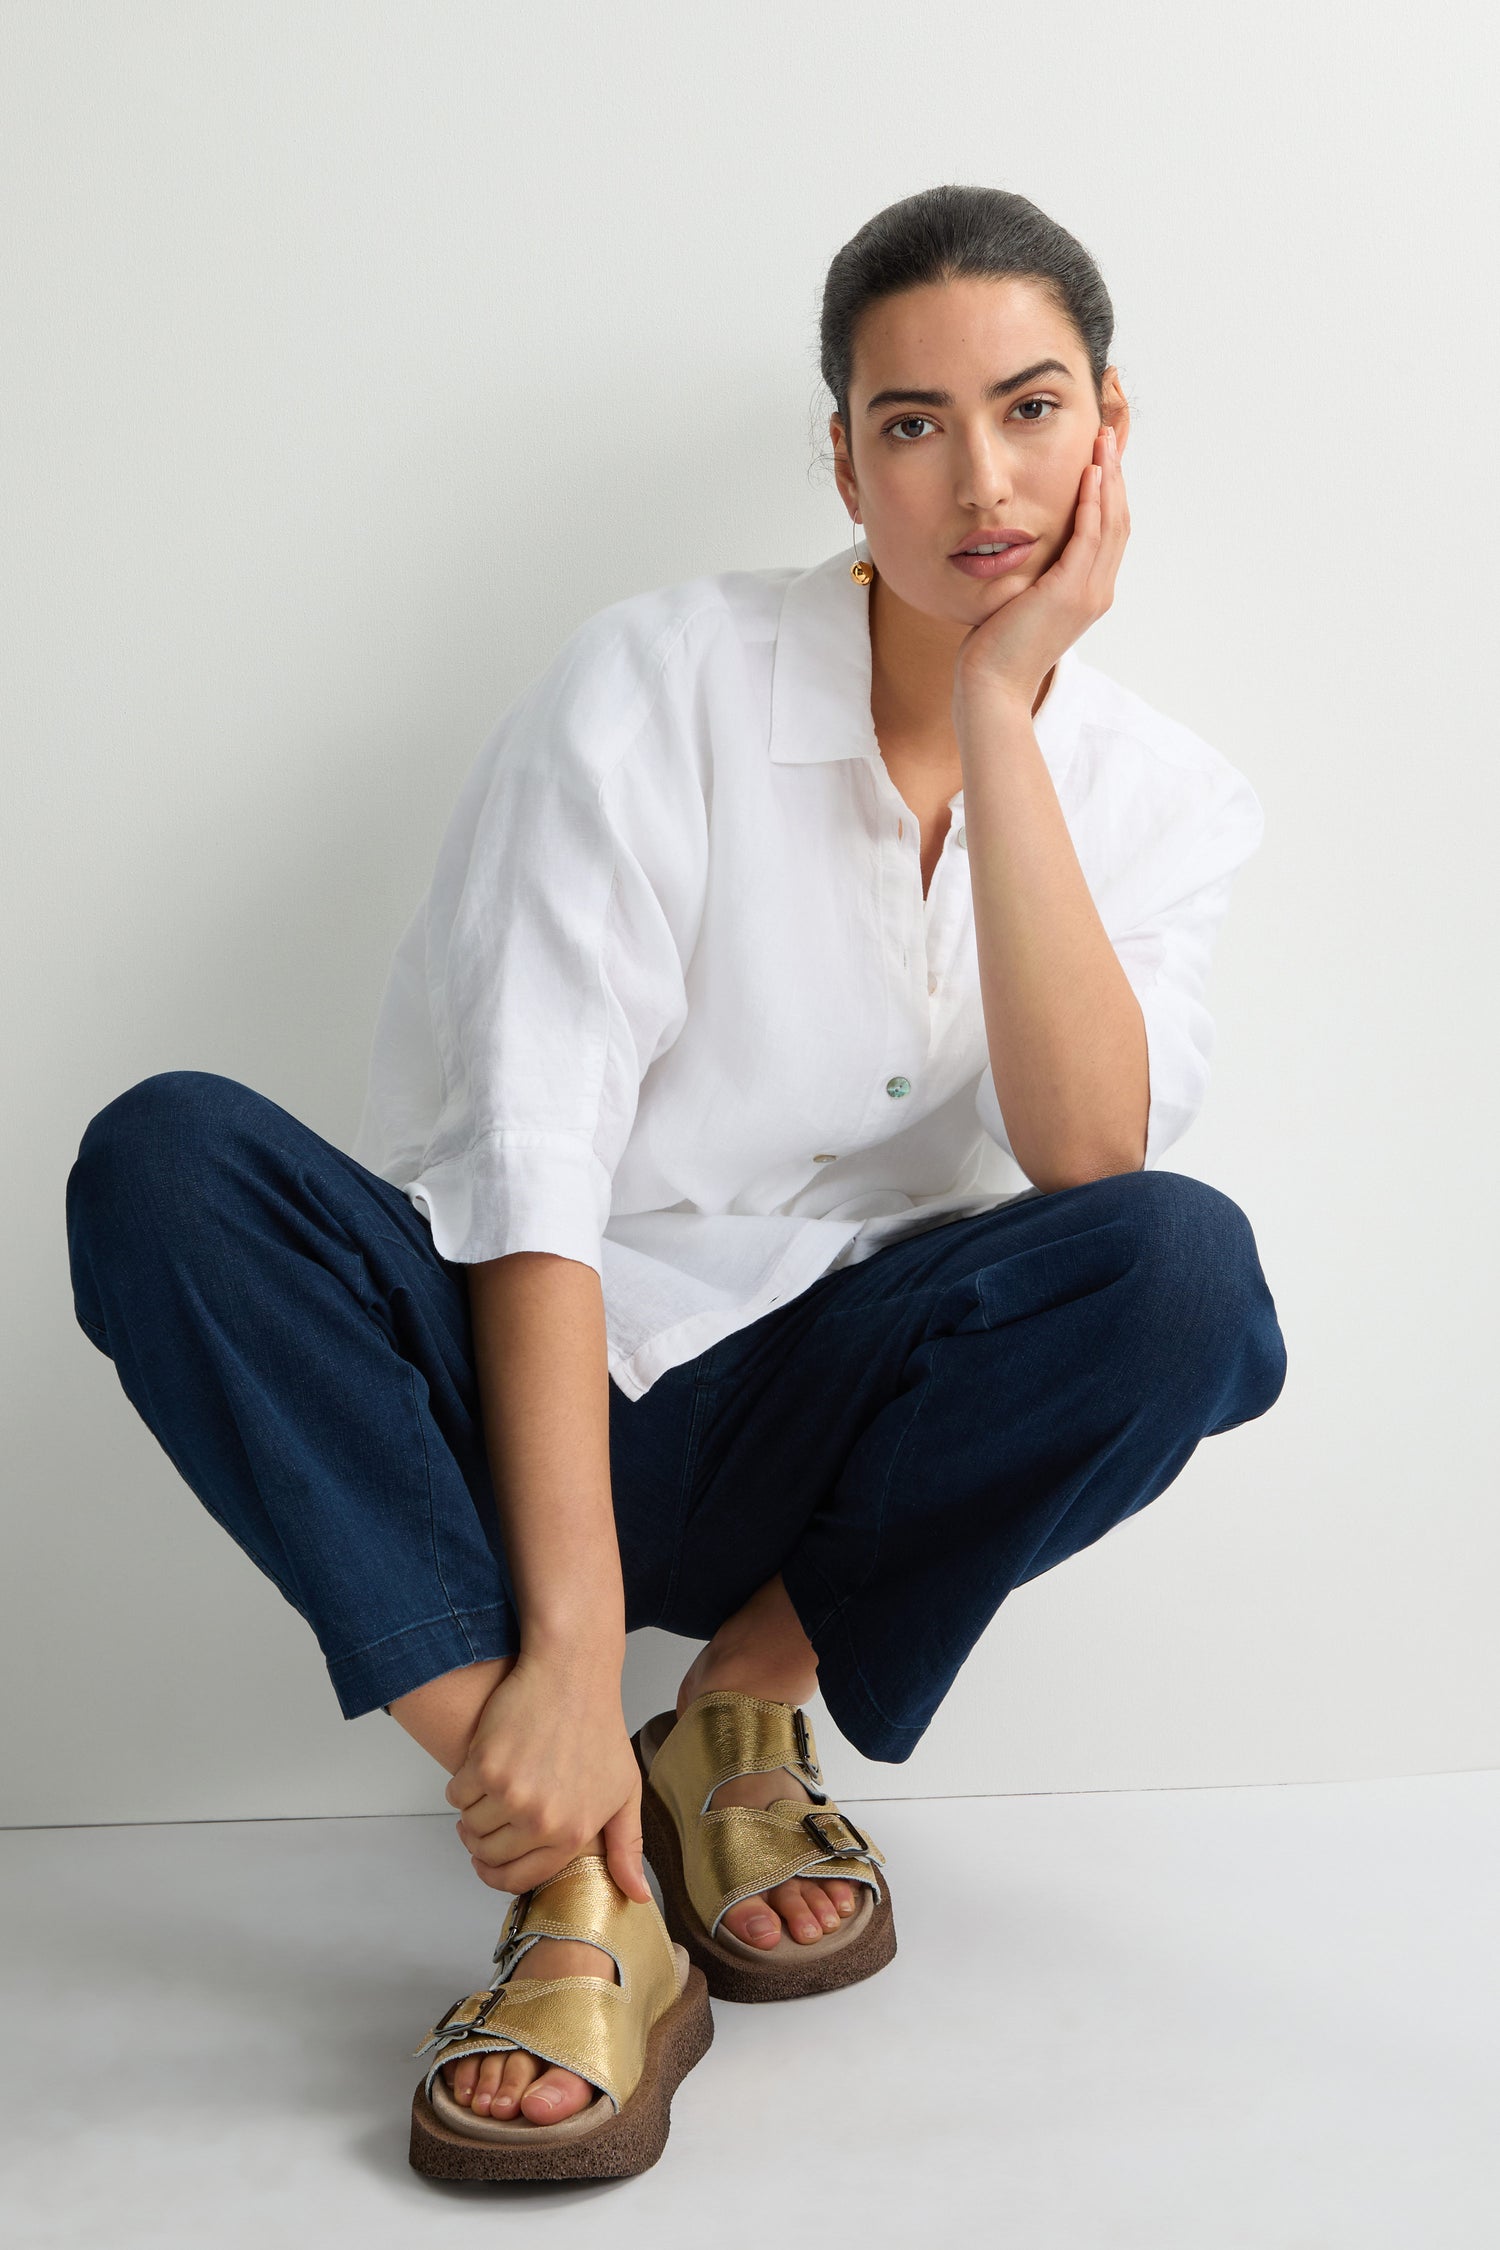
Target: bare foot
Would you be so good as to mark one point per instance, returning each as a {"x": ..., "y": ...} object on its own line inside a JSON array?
[
  {"x": 516, "y": 2087},
  {"x": 807, "y": 1908}
]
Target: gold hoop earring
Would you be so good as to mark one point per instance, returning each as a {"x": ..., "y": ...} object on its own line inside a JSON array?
[{"x": 859, "y": 570}]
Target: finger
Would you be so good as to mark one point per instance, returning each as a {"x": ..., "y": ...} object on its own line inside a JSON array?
[
  {"x": 484, "y": 1816},
  {"x": 502, "y": 1844},
  {"x": 623, "y": 1852},
  {"x": 531, "y": 1868},
  {"x": 464, "y": 1789},
  {"x": 487, "y": 1875}
]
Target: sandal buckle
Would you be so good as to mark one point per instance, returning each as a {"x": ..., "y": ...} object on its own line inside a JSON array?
[
  {"x": 803, "y": 1734},
  {"x": 446, "y": 2021},
  {"x": 821, "y": 1819}
]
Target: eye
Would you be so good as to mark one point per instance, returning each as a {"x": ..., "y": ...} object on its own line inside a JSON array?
[
  {"x": 1052, "y": 402},
  {"x": 893, "y": 427}
]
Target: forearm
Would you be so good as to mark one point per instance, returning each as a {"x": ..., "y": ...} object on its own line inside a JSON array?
[
  {"x": 543, "y": 1372},
  {"x": 1066, "y": 1036}
]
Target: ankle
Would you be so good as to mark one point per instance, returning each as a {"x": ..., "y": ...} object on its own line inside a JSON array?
[{"x": 747, "y": 1671}]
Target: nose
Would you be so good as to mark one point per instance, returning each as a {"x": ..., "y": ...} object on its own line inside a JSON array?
[{"x": 983, "y": 471}]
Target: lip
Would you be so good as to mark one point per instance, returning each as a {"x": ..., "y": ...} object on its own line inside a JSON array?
[{"x": 992, "y": 566}]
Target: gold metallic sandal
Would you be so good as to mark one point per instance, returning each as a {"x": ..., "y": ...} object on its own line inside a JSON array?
[
  {"x": 707, "y": 1858},
  {"x": 635, "y": 2040}
]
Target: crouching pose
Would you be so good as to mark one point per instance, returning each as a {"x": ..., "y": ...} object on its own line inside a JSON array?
[{"x": 755, "y": 1225}]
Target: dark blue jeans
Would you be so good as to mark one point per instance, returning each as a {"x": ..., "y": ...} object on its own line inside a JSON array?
[{"x": 905, "y": 1442}]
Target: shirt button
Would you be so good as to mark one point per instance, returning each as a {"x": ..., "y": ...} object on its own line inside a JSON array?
[
  {"x": 827, "y": 1157},
  {"x": 959, "y": 840},
  {"x": 896, "y": 1087},
  {"x": 932, "y": 984}
]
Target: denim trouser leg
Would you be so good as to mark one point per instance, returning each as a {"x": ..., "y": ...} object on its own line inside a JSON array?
[
  {"x": 278, "y": 1316},
  {"x": 906, "y": 1441},
  {"x": 963, "y": 1411}
]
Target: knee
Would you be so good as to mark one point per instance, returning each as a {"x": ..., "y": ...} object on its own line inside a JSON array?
[
  {"x": 1201, "y": 1292},
  {"x": 147, "y": 1135}
]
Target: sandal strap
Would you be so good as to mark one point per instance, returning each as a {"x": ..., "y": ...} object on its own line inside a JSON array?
[
  {"x": 584, "y": 2024},
  {"x": 722, "y": 1735},
  {"x": 731, "y": 1852}
]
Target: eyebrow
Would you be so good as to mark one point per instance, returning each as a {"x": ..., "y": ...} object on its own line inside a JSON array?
[{"x": 945, "y": 398}]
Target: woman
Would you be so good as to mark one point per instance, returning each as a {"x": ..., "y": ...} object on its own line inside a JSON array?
[{"x": 753, "y": 1227}]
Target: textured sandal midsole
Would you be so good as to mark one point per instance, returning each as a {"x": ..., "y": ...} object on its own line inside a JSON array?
[{"x": 625, "y": 2142}]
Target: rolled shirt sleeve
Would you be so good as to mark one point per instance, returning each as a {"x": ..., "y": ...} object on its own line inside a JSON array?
[
  {"x": 1166, "y": 954},
  {"x": 542, "y": 973}
]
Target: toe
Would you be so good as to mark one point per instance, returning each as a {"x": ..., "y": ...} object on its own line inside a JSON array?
[
  {"x": 843, "y": 1897},
  {"x": 754, "y": 1922},
  {"x": 487, "y": 2084},
  {"x": 520, "y": 2070},
  {"x": 801, "y": 1919},
  {"x": 819, "y": 1902},
  {"x": 556, "y": 2094},
  {"x": 461, "y": 2077}
]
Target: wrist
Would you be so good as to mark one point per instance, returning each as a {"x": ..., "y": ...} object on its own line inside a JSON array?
[
  {"x": 983, "y": 701},
  {"x": 575, "y": 1649}
]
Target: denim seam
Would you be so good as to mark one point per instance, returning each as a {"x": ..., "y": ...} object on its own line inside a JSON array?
[
  {"x": 417, "y": 1625},
  {"x": 432, "y": 1515}
]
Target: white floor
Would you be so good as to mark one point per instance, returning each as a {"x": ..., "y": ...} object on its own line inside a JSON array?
[{"x": 1239, "y": 2019}]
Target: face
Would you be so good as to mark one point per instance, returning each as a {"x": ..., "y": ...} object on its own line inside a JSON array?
[{"x": 945, "y": 446}]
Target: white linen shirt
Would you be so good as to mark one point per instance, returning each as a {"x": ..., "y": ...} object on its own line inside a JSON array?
[{"x": 674, "y": 1004}]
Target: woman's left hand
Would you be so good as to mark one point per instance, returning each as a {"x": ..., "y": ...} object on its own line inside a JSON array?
[{"x": 1016, "y": 648}]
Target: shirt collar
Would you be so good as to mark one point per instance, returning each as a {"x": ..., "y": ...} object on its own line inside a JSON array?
[{"x": 820, "y": 677}]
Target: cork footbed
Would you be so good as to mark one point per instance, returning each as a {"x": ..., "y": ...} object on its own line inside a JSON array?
[
  {"x": 738, "y": 1971},
  {"x": 598, "y": 2142}
]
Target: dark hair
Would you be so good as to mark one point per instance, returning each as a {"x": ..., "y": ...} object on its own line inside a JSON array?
[{"x": 948, "y": 232}]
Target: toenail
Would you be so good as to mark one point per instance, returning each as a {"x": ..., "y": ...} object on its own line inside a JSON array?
[
  {"x": 847, "y": 1906},
  {"x": 830, "y": 1921},
  {"x": 760, "y": 1925}
]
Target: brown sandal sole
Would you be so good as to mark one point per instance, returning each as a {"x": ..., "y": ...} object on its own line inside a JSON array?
[
  {"x": 733, "y": 1976},
  {"x": 630, "y": 2140}
]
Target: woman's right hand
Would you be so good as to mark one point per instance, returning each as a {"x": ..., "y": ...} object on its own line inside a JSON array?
[{"x": 549, "y": 1769}]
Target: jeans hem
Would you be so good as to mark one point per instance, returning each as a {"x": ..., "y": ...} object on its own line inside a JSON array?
[{"x": 373, "y": 1677}]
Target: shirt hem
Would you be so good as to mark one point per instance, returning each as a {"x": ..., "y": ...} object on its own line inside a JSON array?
[{"x": 635, "y": 1372}]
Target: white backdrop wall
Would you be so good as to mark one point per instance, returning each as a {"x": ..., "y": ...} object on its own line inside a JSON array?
[{"x": 355, "y": 352}]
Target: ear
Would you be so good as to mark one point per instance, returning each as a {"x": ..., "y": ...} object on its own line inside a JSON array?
[
  {"x": 1116, "y": 407},
  {"x": 843, "y": 467}
]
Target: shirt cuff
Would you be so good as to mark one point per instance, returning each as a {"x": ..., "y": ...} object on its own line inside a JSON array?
[{"x": 510, "y": 1192}]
